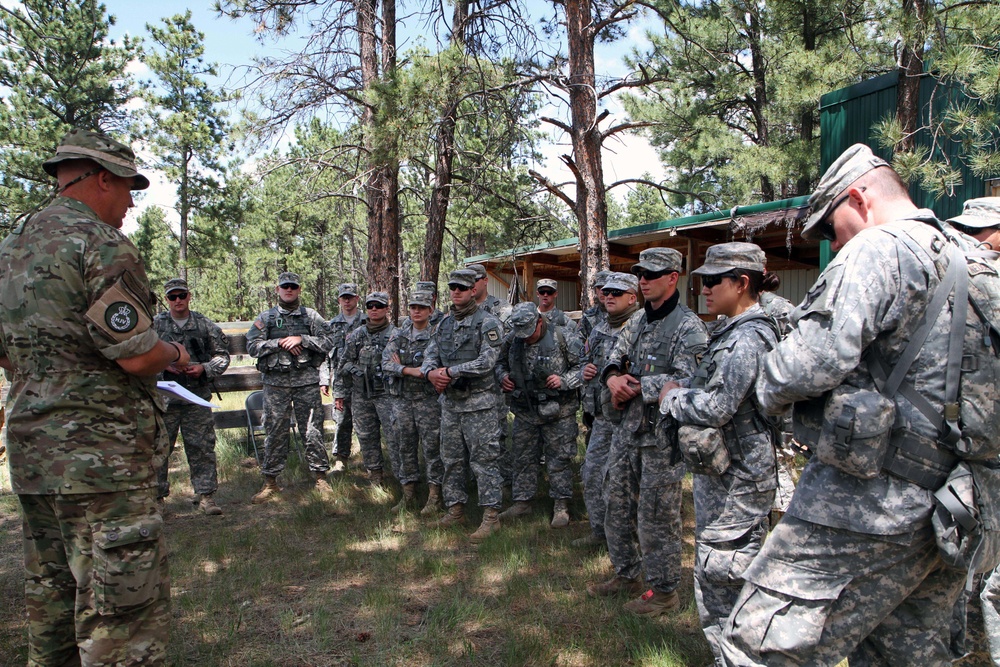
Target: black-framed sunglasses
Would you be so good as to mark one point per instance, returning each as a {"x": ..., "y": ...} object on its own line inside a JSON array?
[
  {"x": 714, "y": 281},
  {"x": 546, "y": 292},
  {"x": 458, "y": 288},
  {"x": 650, "y": 275},
  {"x": 824, "y": 226},
  {"x": 288, "y": 286},
  {"x": 375, "y": 306},
  {"x": 173, "y": 296},
  {"x": 612, "y": 292}
]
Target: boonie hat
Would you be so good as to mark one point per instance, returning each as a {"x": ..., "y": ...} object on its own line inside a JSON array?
[
  {"x": 979, "y": 213},
  {"x": 523, "y": 319},
  {"x": 427, "y": 286},
  {"x": 377, "y": 297},
  {"x": 421, "y": 298},
  {"x": 113, "y": 155},
  {"x": 659, "y": 259},
  {"x": 175, "y": 284},
  {"x": 724, "y": 257},
  {"x": 852, "y": 164},
  {"x": 623, "y": 281},
  {"x": 600, "y": 278},
  {"x": 289, "y": 277},
  {"x": 546, "y": 282},
  {"x": 463, "y": 277}
]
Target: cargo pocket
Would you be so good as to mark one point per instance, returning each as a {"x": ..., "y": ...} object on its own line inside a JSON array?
[
  {"x": 126, "y": 557},
  {"x": 787, "y": 609},
  {"x": 725, "y": 564}
]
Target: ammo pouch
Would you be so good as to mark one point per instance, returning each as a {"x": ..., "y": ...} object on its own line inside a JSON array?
[
  {"x": 704, "y": 449},
  {"x": 854, "y": 437},
  {"x": 965, "y": 518},
  {"x": 548, "y": 406},
  {"x": 608, "y": 410}
]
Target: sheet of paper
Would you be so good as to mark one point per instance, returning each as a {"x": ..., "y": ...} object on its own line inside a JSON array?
[{"x": 171, "y": 389}]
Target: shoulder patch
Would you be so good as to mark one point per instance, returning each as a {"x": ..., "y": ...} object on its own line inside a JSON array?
[
  {"x": 259, "y": 324},
  {"x": 119, "y": 314},
  {"x": 492, "y": 335}
]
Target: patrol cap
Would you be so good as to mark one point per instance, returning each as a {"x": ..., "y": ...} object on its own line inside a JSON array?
[
  {"x": 113, "y": 155},
  {"x": 479, "y": 269},
  {"x": 623, "y": 281},
  {"x": 175, "y": 284},
  {"x": 289, "y": 277},
  {"x": 852, "y": 164},
  {"x": 979, "y": 213},
  {"x": 724, "y": 257},
  {"x": 600, "y": 278},
  {"x": 463, "y": 277},
  {"x": 659, "y": 259},
  {"x": 347, "y": 289},
  {"x": 377, "y": 297},
  {"x": 546, "y": 282},
  {"x": 421, "y": 298},
  {"x": 427, "y": 286},
  {"x": 523, "y": 319}
]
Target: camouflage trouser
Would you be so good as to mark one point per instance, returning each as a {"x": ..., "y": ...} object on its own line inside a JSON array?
[
  {"x": 815, "y": 595},
  {"x": 595, "y": 465},
  {"x": 506, "y": 460},
  {"x": 557, "y": 439},
  {"x": 372, "y": 419},
  {"x": 418, "y": 421},
  {"x": 990, "y": 598},
  {"x": 643, "y": 519},
  {"x": 308, "y": 405},
  {"x": 96, "y": 584},
  {"x": 476, "y": 433},
  {"x": 786, "y": 482},
  {"x": 344, "y": 429},
  {"x": 196, "y": 425}
]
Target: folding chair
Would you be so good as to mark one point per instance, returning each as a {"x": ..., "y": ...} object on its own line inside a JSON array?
[{"x": 255, "y": 426}]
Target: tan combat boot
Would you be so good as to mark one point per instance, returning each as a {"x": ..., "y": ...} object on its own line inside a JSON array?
[
  {"x": 375, "y": 476},
  {"x": 208, "y": 506},
  {"x": 490, "y": 525},
  {"x": 271, "y": 488},
  {"x": 560, "y": 514},
  {"x": 340, "y": 465},
  {"x": 455, "y": 516},
  {"x": 323, "y": 486},
  {"x": 652, "y": 603},
  {"x": 518, "y": 509},
  {"x": 614, "y": 586},
  {"x": 433, "y": 505},
  {"x": 409, "y": 498}
]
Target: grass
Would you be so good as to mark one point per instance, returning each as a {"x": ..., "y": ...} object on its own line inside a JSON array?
[{"x": 304, "y": 581}]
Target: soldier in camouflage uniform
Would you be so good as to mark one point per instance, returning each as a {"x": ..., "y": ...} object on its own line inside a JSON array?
[
  {"x": 85, "y": 422},
  {"x": 620, "y": 293},
  {"x": 491, "y": 304},
  {"x": 662, "y": 342},
  {"x": 459, "y": 363},
  {"x": 596, "y": 313},
  {"x": 209, "y": 351},
  {"x": 720, "y": 418},
  {"x": 346, "y": 321},
  {"x": 548, "y": 291},
  {"x": 541, "y": 367},
  {"x": 416, "y": 410},
  {"x": 290, "y": 343},
  {"x": 430, "y": 287},
  {"x": 360, "y": 377},
  {"x": 853, "y": 566}
]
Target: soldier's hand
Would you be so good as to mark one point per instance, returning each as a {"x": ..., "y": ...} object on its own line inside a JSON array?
[
  {"x": 290, "y": 343},
  {"x": 338, "y": 403},
  {"x": 439, "y": 378},
  {"x": 553, "y": 381},
  {"x": 325, "y": 390},
  {"x": 194, "y": 370},
  {"x": 395, "y": 359},
  {"x": 589, "y": 372},
  {"x": 507, "y": 384},
  {"x": 667, "y": 388},
  {"x": 623, "y": 389}
]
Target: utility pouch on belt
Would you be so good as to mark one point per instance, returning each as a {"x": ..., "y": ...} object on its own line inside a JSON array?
[
  {"x": 548, "y": 408},
  {"x": 965, "y": 520},
  {"x": 608, "y": 410},
  {"x": 855, "y": 434},
  {"x": 704, "y": 449}
]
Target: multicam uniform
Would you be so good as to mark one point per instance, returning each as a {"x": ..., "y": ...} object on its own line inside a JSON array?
[
  {"x": 643, "y": 483},
  {"x": 360, "y": 376},
  {"x": 291, "y": 382},
  {"x": 544, "y": 419},
  {"x": 85, "y": 440},
  {"x": 340, "y": 327},
  {"x": 207, "y": 345},
  {"x": 731, "y": 509},
  {"x": 416, "y": 409}
]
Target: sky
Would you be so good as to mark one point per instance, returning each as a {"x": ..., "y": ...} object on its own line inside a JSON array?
[{"x": 231, "y": 45}]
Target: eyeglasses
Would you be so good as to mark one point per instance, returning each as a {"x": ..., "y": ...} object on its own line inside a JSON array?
[
  {"x": 546, "y": 292},
  {"x": 173, "y": 296},
  {"x": 458, "y": 288},
  {"x": 288, "y": 286},
  {"x": 650, "y": 275},
  {"x": 375, "y": 306},
  {"x": 824, "y": 226},
  {"x": 715, "y": 281},
  {"x": 612, "y": 292}
]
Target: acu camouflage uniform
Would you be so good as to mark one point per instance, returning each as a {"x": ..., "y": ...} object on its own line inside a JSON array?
[
  {"x": 207, "y": 345},
  {"x": 502, "y": 311},
  {"x": 416, "y": 408},
  {"x": 291, "y": 382},
  {"x": 853, "y": 565},
  {"x": 544, "y": 419},
  {"x": 85, "y": 440},
  {"x": 469, "y": 348},
  {"x": 642, "y": 486},
  {"x": 731, "y": 510},
  {"x": 360, "y": 376},
  {"x": 340, "y": 328}
]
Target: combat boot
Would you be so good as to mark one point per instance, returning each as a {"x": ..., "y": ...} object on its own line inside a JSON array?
[
  {"x": 518, "y": 509},
  {"x": 455, "y": 516},
  {"x": 323, "y": 486},
  {"x": 653, "y": 603},
  {"x": 490, "y": 525},
  {"x": 375, "y": 476},
  {"x": 560, "y": 514},
  {"x": 409, "y": 498},
  {"x": 207, "y": 505},
  {"x": 614, "y": 586},
  {"x": 589, "y": 541},
  {"x": 340, "y": 465},
  {"x": 433, "y": 505},
  {"x": 271, "y": 488}
]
